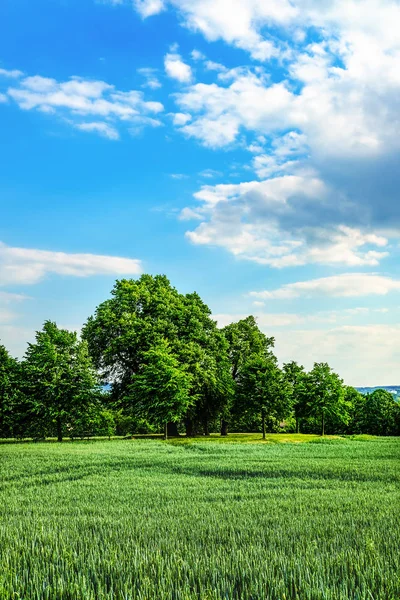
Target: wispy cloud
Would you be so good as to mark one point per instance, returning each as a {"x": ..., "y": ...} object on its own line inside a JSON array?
[
  {"x": 78, "y": 99},
  {"x": 345, "y": 285},
  {"x": 29, "y": 266}
]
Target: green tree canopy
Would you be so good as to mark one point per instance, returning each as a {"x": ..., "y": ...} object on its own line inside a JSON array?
[
  {"x": 9, "y": 384},
  {"x": 139, "y": 315},
  {"x": 380, "y": 413},
  {"x": 245, "y": 342},
  {"x": 294, "y": 375},
  {"x": 161, "y": 387},
  {"x": 324, "y": 394},
  {"x": 60, "y": 380},
  {"x": 262, "y": 389}
]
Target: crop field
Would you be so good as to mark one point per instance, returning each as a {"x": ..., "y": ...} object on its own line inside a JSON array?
[{"x": 184, "y": 520}]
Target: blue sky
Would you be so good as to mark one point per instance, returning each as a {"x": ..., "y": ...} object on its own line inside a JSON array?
[{"x": 249, "y": 150}]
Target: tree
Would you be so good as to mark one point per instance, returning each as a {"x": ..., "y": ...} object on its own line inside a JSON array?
[
  {"x": 161, "y": 387},
  {"x": 60, "y": 380},
  {"x": 245, "y": 341},
  {"x": 8, "y": 392},
  {"x": 139, "y": 315},
  {"x": 380, "y": 413},
  {"x": 263, "y": 389},
  {"x": 356, "y": 404},
  {"x": 324, "y": 394},
  {"x": 294, "y": 376}
]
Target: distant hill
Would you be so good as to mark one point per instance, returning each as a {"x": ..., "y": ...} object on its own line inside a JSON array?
[{"x": 393, "y": 389}]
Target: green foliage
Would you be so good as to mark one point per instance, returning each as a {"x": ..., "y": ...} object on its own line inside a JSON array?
[
  {"x": 137, "y": 319},
  {"x": 381, "y": 414},
  {"x": 323, "y": 395},
  {"x": 164, "y": 358},
  {"x": 59, "y": 380},
  {"x": 160, "y": 390},
  {"x": 194, "y": 520},
  {"x": 262, "y": 389},
  {"x": 294, "y": 375},
  {"x": 246, "y": 340},
  {"x": 9, "y": 392}
]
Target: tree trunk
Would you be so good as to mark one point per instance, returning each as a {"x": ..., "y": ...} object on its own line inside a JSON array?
[
  {"x": 189, "y": 427},
  {"x": 323, "y": 423},
  {"x": 205, "y": 425},
  {"x": 263, "y": 424},
  {"x": 166, "y": 431},
  {"x": 224, "y": 427},
  {"x": 297, "y": 425},
  {"x": 59, "y": 430},
  {"x": 172, "y": 430}
]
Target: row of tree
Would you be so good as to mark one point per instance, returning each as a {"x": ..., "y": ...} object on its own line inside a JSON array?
[{"x": 153, "y": 359}]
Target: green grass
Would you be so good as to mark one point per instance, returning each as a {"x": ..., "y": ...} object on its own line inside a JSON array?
[{"x": 145, "y": 519}]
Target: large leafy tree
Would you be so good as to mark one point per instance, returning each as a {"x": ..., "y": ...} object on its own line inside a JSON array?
[
  {"x": 324, "y": 395},
  {"x": 294, "y": 376},
  {"x": 139, "y": 315},
  {"x": 60, "y": 380},
  {"x": 9, "y": 392},
  {"x": 245, "y": 342},
  {"x": 161, "y": 387},
  {"x": 263, "y": 389}
]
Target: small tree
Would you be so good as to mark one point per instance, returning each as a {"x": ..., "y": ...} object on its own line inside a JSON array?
[
  {"x": 294, "y": 375},
  {"x": 59, "y": 377},
  {"x": 262, "y": 389},
  {"x": 325, "y": 394},
  {"x": 160, "y": 391}
]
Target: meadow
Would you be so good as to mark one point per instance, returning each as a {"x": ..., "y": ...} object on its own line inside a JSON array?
[{"x": 295, "y": 517}]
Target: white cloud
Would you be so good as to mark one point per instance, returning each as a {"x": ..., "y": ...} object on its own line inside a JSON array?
[
  {"x": 151, "y": 78},
  {"x": 246, "y": 102},
  {"x": 210, "y": 173},
  {"x": 197, "y": 55},
  {"x": 78, "y": 99},
  {"x": 176, "y": 68},
  {"x": 268, "y": 222},
  {"x": 179, "y": 119},
  {"x": 102, "y": 129},
  {"x": 344, "y": 285},
  {"x": 236, "y": 22},
  {"x": 29, "y": 266},
  {"x": 13, "y": 74},
  {"x": 147, "y": 8}
]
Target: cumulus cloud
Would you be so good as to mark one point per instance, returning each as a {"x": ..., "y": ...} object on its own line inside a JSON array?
[
  {"x": 78, "y": 99},
  {"x": 176, "y": 68},
  {"x": 283, "y": 221},
  {"x": 344, "y": 285},
  {"x": 29, "y": 266}
]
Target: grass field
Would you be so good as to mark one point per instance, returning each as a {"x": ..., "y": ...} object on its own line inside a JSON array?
[{"x": 183, "y": 520}]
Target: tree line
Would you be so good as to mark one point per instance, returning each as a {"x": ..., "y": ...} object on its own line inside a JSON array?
[{"x": 151, "y": 359}]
